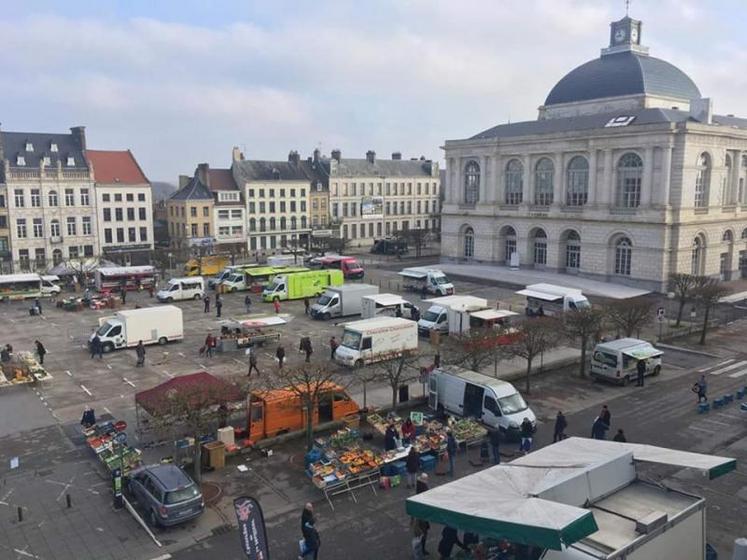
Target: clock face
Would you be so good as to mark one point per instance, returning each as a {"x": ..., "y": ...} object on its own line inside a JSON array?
[
  {"x": 634, "y": 35},
  {"x": 619, "y": 35}
]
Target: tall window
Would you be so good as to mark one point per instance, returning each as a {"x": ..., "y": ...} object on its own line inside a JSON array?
[
  {"x": 471, "y": 182},
  {"x": 702, "y": 181},
  {"x": 35, "y": 198},
  {"x": 514, "y": 182},
  {"x": 37, "y": 226},
  {"x": 54, "y": 228},
  {"x": 725, "y": 196},
  {"x": 578, "y": 182},
  {"x": 573, "y": 251},
  {"x": 696, "y": 256},
  {"x": 41, "y": 258},
  {"x": 69, "y": 197},
  {"x": 543, "y": 182},
  {"x": 52, "y": 198},
  {"x": 84, "y": 197},
  {"x": 20, "y": 199},
  {"x": 623, "y": 256},
  {"x": 86, "y": 225},
  {"x": 469, "y": 243},
  {"x": 629, "y": 176},
  {"x": 510, "y": 243},
  {"x": 540, "y": 248},
  {"x": 71, "y": 226}
]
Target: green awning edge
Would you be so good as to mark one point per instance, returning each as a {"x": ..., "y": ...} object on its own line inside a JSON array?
[
  {"x": 722, "y": 469},
  {"x": 514, "y": 532}
]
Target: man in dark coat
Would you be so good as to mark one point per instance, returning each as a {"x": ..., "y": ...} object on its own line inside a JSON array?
[
  {"x": 206, "y": 304},
  {"x": 412, "y": 465},
  {"x": 280, "y": 355},
  {"x": 305, "y": 347},
  {"x": 96, "y": 347},
  {"x": 495, "y": 445},
  {"x": 390, "y": 437},
  {"x": 451, "y": 449},
  {"x": 620, "y": 436},
  {"x": 599, "y": 429},
  {"x": 449, "y": 538},
  {"x": 311, "y": 538},
  {"x": 252, "y": 362},
  {"x": 606, "y": 415},
  {"x": 422, "y": 486},
  {"x": 140, "y": 352},
  {"x": 527, "y": 435},
  {"x": 640, "y": 368},
  {"x": 560, "y": 425},
  {"x": 40, "y": 351}
]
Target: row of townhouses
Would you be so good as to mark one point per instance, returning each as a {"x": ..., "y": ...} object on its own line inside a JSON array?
[
  {"x": 267, "y": 206},
  {"x": 60, "y": 201}
]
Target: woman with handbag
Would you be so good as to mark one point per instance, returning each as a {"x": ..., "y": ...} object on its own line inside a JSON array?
[{"x": 311, "y": 542}]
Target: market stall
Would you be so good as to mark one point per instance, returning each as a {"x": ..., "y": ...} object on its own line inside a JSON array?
[
  {"x": 430, "y": 434},
  {"x": 22, "y": 367},
  {"x": 243, "y": 332},
  {"x": 108, "y": 440}
]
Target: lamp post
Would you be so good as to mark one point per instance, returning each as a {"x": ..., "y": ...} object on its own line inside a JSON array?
[{"x": 294, "y": 241}]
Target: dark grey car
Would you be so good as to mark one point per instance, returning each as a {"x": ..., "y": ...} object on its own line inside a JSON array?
[{"x": 167, "y": 494}]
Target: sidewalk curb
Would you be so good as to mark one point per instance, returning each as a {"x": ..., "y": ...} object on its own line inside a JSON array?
[{"x": 688, "y": 350}]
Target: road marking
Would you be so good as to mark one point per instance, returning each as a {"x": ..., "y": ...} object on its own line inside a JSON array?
[
  {"x": 110, "y": 367},
  {"x": 162, "y": 557},
  {"x": 107, "y": 410},
  {"x": 715, "y": 366},
  {"x": 181, "y": 354},
  {"x": 167, "y": 373},
  {"x": 738, "y": 374},
  {"x": 68, "y": 373},
  {"x": 728, "y": 368},
  {"x": 128, "y": 381},
  {"x": 26, "y": 554},
  {"x": 202, "y": 366},
  {"x": 715, "y": 422},
  {"x": 238, "y": 361},
  {"x": 86, "y": 390},
  {"x": 701, "y": 430}
]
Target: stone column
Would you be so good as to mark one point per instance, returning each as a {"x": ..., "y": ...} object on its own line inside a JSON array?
[
  {"x": 500, "y": 179},
  {"x": 593, "y": 195},
  {"x": 484, "y": 178},
  {"x": 527, "y": 186},
  {"x": 607, "y": 192},
  {"x": 557, "y": 179},
  {"x": 734, "y": 179},
  {"x": 665, "y": 177},
  {"x": 454, "y": 186},
  {"x": 647, "y": 185}
]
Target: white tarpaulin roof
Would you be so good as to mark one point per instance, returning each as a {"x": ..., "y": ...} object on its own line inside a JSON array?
[
  {"x": 259, "y": 321},
  {"x": 544, "y": 296},
  {"x": 490, "y": 314},
  {"x": 384, "y": 300}
]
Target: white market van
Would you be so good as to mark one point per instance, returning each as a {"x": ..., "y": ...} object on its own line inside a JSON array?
[
  {"x": 150, "y": 324},
  {"x": 548, "y": 299},
  {"x": 191, "y": 287},
  {"x": 383, "y": 305},
  {"x": 372, "y": 340},
  {"x": 450, "y": 314},
  {"x": 493, "y": 402},
  {"x": 50, "y": 285},
  {"x": 342, "y": 301},
  {"x": 434, "y": 281},
  {"x": 617, "y": 360}
]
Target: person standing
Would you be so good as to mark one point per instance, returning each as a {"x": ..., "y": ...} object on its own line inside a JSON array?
[
  {"x": 599, "y": 429},
  {"x": 640, "y": 368},
  {"x": 560, "y": 425},
  {"x": 702, "y": 387},
  {"x": 96, "y": 347},
  {"x": 412, "y": 464},
  {"x": 276, "y": 305},
  {"x": 305, "y": 346},
  {"x": 306, "y": 305},
  {"x": 140, "y": 351},
  {"x": 218, "y": 305},
  {"x": 280, "y": 355},
  {"x": 206, "y": 304},
  {"x": 606, "y": 416},
  {"x": 494, "y": 437},
  {"x": 451, "y": 450},
  {"x": 408, "y": 431},
  {"x": 449, "y": 538},
  {"x": 123, "y": 288},
  {"x": 333, "y": 344},
  {"x": 620, "y": 436},
  {"x": 422, "y": 486},
  {"x": 209, "y": 344},
  {"x": 527, "y": 435},
  {"x": 253, "y": 363},
  {"x": 38, "y": 305},
  {"x": 248, "y": 303},
  {"x": 312, "y": 542},
  {"x": 40, "y": 351},
  {"x": 390, "y": 438}
]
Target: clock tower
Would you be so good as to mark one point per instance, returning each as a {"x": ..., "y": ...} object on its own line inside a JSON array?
[{"x": 625, "y": 35}]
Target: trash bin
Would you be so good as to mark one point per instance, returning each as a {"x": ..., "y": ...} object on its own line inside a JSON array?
[{"x": 214, "y": 454}]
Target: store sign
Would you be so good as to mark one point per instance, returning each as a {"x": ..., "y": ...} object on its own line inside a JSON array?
[
  {"x": 252, "y": 529},
  {"x": 372, "y": 207},
  {"x": 321, "y": 233}
]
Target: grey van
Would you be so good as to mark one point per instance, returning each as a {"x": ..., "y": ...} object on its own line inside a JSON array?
[{"x": 167, "y": 495}]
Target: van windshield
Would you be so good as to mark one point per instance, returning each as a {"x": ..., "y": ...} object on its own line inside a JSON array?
[
  {"x": 582, "y": 304},
  {"x": 351, "y": 339},
  {"x": 512, "y": 404},
  {"x": 324, "y": 300},
  {"x": 235, "y": 278},
  {"x": 182, "y": 494},
  {"x": 430, "y": 316},
  {"x": 441, "y": 279},
  {"x": 103, "y": 329}
]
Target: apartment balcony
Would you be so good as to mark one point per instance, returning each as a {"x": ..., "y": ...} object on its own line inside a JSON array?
[{"x": 54, "y": 240}]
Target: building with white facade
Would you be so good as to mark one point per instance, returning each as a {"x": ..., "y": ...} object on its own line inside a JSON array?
[
  {"x": 627, "y": 175},
  {"x": 124, "y": 206}
]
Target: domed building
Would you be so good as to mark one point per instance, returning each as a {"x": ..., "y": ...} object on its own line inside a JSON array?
[{"x": 627, "y": 175}]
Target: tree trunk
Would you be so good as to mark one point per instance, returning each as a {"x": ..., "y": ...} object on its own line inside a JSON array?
[
  {"x": 679, "y": 312},
  {"x": 529, "y": 374},
  {"x": 584, "y": 342},
  {"x": 197, "y": 460},
  {"x": 705, "y": 324},
  {"x": 394, "y": 396},
  {"x": 309, "y": 426}
]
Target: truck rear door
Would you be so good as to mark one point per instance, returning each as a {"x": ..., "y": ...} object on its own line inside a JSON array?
[
  {"x": 256, "y": 420},
  {"x": 433, "y": 392}
]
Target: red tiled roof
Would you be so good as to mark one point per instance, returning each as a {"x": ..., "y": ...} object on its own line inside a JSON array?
[
  {"x": 221, "y": 180},
  {"x": 115, "y": 167},
  {"x": 201, "y": 388}
]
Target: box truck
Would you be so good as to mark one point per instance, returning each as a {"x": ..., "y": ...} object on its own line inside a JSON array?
[
  {"x": 225, "y": 273},
  {"x": 117, "y": 278},
  {"x": 351, "y": 268},
  {"x": 548, "y": 299},
  {"x": 150, "y": 324},
  {"x": 617, "y": 360},
  {"x": 373, "y": 340},
  {"x": 450, "y": 314},
  {"x": 301, "y": 284},
  {"x": 341, "y": 301},
  {"x": 385, "y": 305},
  {"x": 256, "y": 278},
  {"x": 430, "y": 280},
  {"x": 206, "y": 266},
  {"x": 182, "y": 288},
  {"x": 493, "y": 402}
]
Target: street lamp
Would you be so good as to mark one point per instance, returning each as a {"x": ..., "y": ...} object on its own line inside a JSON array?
[
  {"x": 171, "y": 261},
  {"x": 293, "y": 243}
]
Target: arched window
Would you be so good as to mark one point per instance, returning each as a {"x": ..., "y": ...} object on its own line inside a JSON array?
[
  {"x": 514, "y": 182},
  {"x": 303, "y": 222},
  {"x": 509, "y": 246},
  {"x": 471, "y": 182},
  {"x": 469, "y": 243},
  {"x": 578, "y": 182},
  {"x": 52, "y": 198},
  {"x": 623, "y": 256},
  {"x": 702, "y": 181},
  {"x": 283, "y": 223},
  {"x": 54, "y": 227},
  {"x": 744, "y": 233},
  {"x": 540, "y": 248},
  {"x": 543, "y": 182},
  {"x": 697, "y": 256},
  {"x": 629, "y": 176},
  {"x": 293, "y": 222},
  {"x": 272, "y": 224},
  {"x": 252, "y": 224},
  {"x": 572, "y": 251},
  {"x": 262, "y": 224},
  {"x": 725, "y": 195},
  {"x": 728, "y": 236},
  {"x": 56, "y": 257}
]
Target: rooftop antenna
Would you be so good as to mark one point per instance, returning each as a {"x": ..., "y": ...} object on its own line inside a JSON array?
[{"x": 627, "y": 8}]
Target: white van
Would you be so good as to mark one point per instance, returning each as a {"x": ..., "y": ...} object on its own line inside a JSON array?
[
  {"x": 50, "y": 286},
  {"x": 493, "y": 402},
  {"x": 192, "y": 287},
  {"x": 442, "y": 308},
  {"x": 548, "y": 299},
  {"x": 372, "y": 340},
  {"x": 617, "y": 360}
]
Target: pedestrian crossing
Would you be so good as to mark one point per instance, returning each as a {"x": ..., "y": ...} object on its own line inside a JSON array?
[{"x": 734, "y": 369}]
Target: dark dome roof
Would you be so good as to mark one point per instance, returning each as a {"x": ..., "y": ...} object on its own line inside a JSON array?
[{"x": 626, "y": 73}]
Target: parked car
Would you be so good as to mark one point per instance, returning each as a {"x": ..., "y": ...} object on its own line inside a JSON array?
[{"x": 167, "y": 495}]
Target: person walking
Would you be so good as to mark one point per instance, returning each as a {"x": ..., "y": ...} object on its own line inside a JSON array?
[
  {"x": 599, "y": 429},
  {"x": 419, "y": 528},
  {"x": 96, "y": 347},
  {"x": 206, "y": 304},
  {"x": 123, "y": 289},
  {"x": 620, "y": 436},
  {"x": 306, "y": 305},
  {"x": 560, "y": 425},
  {"x": 40, "y": 351},
  {"x": 218, "y": 305},
  {"x": 280, "y": 355},
  {"x": 248, "y": 303},
  {"x": 640, "y": 368},
  {"x": 494, "y": 438},
  {"x": 305, "y": 346},
  {"x": 412, "y": 465},
  {"x": 38, "y": 305},
  {"x": 276, "y": 305},
  {"x": 333, "y": 344},
  {"x": 422, "y": 486},
  {"x": 451, "y": 451},
  {"x": 527, "y": 435},
  {"x": 253, "y": 363},
  {"x": 209, "y": 345},
  {"x": 606, "y": 416},
  {"x": 311, "y": 540},
  {"x": 449, "y": 538},
  {"x": 140, "y": 352},
  {"x": 702, "y": 387}
]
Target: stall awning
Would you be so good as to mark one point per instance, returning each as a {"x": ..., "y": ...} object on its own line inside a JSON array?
[
  {"x": 643, "y": 352},
  {"x": 258, "y": 321},
  {"x": 219, "y": 391},
  {"x": 385, "y": 300},
  {"x": 492, "y": 314},
  {"x": 544, "y": 296}
]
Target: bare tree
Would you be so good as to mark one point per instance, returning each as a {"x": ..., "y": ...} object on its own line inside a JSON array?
[
  {"x": 584, "y": 325},
  {"x": 473, "y": 349},
  {"x": 418, "y": 238},
  {"x": 707, "y": 293},
  {"x": 630, "y": 315},
  {"x": 397, "y": 369},
  {"x": 683, "y": 286},
  {"x": 534, "y": 337}
]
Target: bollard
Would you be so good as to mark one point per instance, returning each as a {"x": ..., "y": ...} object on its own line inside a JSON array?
[
  {"x": 69, "y": 501},
  {"x": 20, "y": 514}
]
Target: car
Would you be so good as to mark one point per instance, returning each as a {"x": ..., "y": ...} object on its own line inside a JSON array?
[{"x": 167, "y": 495}]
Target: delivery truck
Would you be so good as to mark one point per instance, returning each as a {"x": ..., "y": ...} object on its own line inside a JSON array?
[
  {"x": 206, "y": 266},
  {"x": 467, "y": 393},
  {"x": 301, "y": 284},
  {"x": 279, "y": 411},
  {"x": 384, "y": 305},
  {"x": 617, "y": 360},
  {"x": 150, "y": 324},
  {"x": 450, "y": 314},
  {"x": 373, "y": 340},
  {"x": 342, "y": 301},
  {"x": 351, "y": 268},
  {"x": 255, "y": 279},
  {"x": 426, "y": 280},
  {"x": 551, "y": 300}
]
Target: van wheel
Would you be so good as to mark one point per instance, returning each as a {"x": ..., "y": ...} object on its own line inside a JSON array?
[
  {"x": 153, "y": 519},
  {"x": 197, "y": 297},
  {"x": 625, "y": 381},
  {"x": 170, "y": 300},
  {"x": 358, "y": 364},
  {"x": 657, "y": 371},
  {"x": 163, "y": 340},
  {"x": 326, "y": 317},
  {"x": 107, "y": 347}
]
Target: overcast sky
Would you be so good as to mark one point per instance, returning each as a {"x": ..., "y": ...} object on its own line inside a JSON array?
[{"x": 181, "y": 82}]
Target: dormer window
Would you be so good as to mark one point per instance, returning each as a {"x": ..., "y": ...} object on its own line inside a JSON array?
[
  {"x": 20, "y": 160},
  {"x": 70, "y": 161},
  {"x": 29, "y": 146},
  {"x": 53, "y": 147},
  {"x": 47, "y": 160}
]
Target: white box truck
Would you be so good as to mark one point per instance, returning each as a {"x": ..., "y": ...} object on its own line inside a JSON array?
[
  {"x": 373, "y": 340},
  {"x": 383, "y": 305},
  {"x": 617, "y": 360},
  {"x": 190, "y": 287},
  {"x": 341, "y": 301},
  {"x": 493, "y": 402},
  {"x": 445, "y": 314},
  {"x": 150, "y": 324},
  {"x": 548, "y": 299},
  {"x": 432, "y": 280}
]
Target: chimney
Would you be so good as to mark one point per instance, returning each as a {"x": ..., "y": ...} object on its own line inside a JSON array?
[
  {"x": 371, "y": 156},
  {"x": 317, "y": 155},
  {"x": 293, "y": 157},
  {"x": 79, "y": 134},
  {"x": 236, "y": 154},
  {"x": 336, "y": 155},
  {"x": 276, "y": 173},
  {"x": 396, "y": 156},
  {"x": 203, "y": 174}
]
